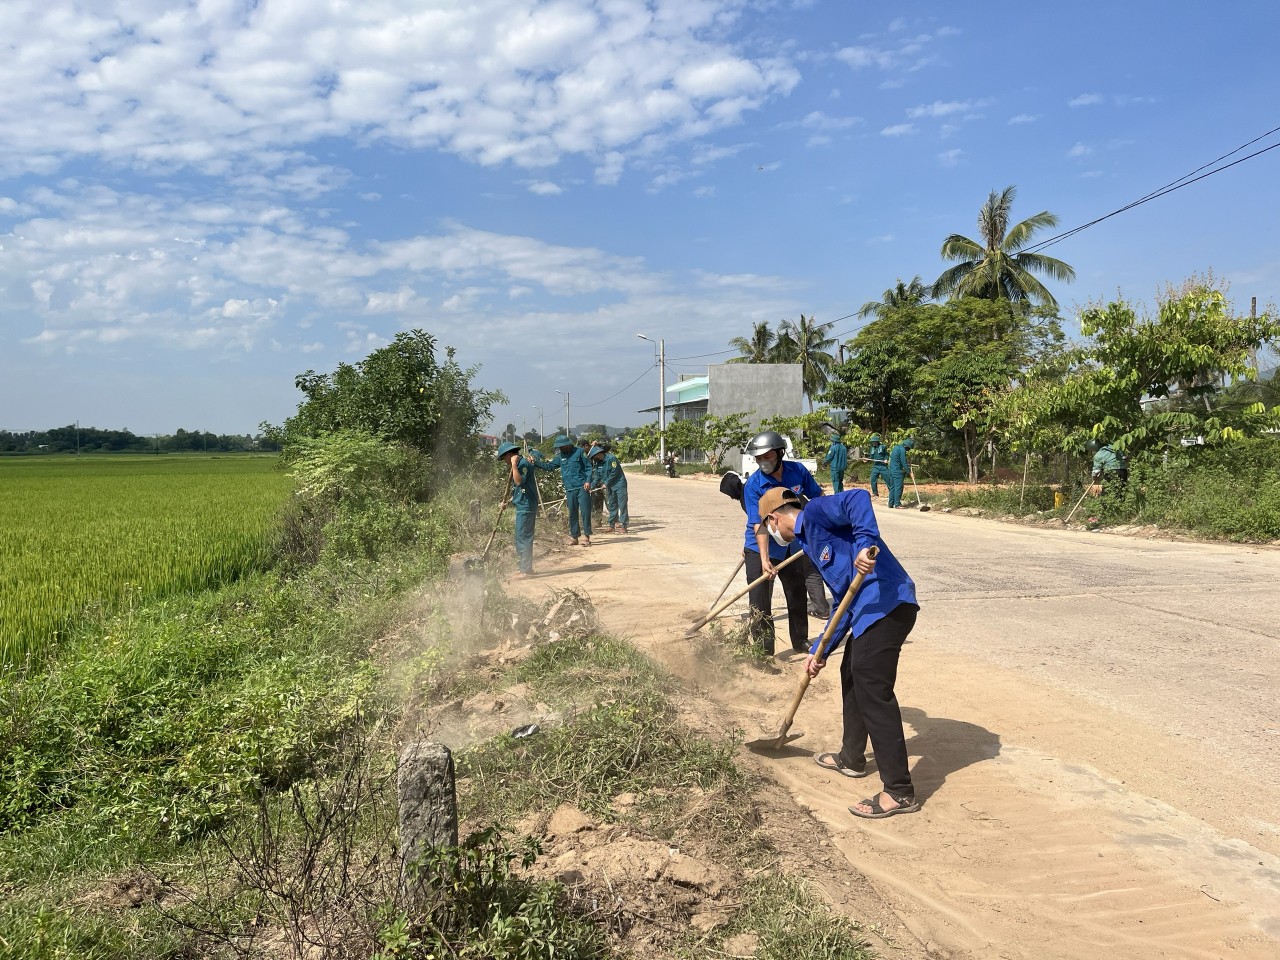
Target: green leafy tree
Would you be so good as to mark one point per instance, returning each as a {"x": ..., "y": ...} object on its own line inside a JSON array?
[
  {"x": 402, "y": 394},
  {"x": 807, "y": 432},
  {"x": 899, "y": 295},
  {"x": 876, "y": 384},
  {"x": 730, "y": 432},
  {"x": 638, "y": 443},
  {"x": 687, "y": 435},
  {"x": 997, "y": 266},
  {"x": 1135, "y": 359},
  {"x": 757, "y": 349}
]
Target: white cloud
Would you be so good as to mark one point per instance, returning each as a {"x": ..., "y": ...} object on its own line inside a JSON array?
[
  {"x": 1086, "y": 100},
  {"x": 544, "y": 188},
  {"x": 99, "y": 267},
  {"x": 903, "y": 53},
  {"x": 1080, "y": 150},
  {"x": 817, "y": 120},
  {"x": 1023, "y": 118},
  {"x": 229, "y": 87},
  {"x": 898, "y": 130},
  {"x": 949, "y": 158},
  {"x": 945, "y": 108},
  {"x": 704, "y": 191}
]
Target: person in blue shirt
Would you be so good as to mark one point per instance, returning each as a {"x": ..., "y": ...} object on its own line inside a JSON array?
[
  {"x": 607, "y": 472},
  {"x": 837, "y": 459},
  {"x": 524, "y": 497},
  {"x": 575, "y": 474},
  {"x": 899, "y": 468},
  {"x": 836, "y": 534},
  {"x": 761, "y": 554}
]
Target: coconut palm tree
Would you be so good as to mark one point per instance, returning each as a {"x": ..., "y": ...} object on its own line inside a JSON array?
[
  {"x": 998, "y": 267},
  {"x": 758, "y": 349},
  {"x": 899, "y": 295},
  {"x": 812, "y": 350}
]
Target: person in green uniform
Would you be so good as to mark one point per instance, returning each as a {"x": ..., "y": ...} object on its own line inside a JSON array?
[
  {"x": 899, "y": 468},
  {"x": 607, "y": 472},
  {"x": 524, "y": 497},
  {"x": 1109, "y": 468},
  {"x": 575, "y": 474},
  {"x": 878, "y": 454},
  {"x": 837, "y": 459}
]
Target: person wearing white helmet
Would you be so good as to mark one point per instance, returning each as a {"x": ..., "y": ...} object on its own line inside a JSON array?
[{"x": 761, "y": 553}]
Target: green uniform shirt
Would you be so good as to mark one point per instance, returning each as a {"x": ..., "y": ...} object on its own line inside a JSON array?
[{"x": 1107, "y": 460}]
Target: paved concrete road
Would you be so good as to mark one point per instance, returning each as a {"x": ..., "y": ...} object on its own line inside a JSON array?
[{"x": 1094, "y": 723}]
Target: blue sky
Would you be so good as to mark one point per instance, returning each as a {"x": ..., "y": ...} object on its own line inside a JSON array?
[{"x": 200, "y": 200}]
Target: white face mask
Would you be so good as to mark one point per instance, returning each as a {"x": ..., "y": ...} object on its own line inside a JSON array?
[
  {"x": 776, "y": 535},
  {"x": 767, "y": 462}
]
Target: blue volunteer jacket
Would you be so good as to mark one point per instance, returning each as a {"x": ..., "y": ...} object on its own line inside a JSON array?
[
  {"x": 795, "y": 477},
  {"x": 832, "y": 531}
]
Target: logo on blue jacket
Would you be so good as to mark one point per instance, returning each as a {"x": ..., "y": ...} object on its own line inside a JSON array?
[{"x": 825, "y": 556}]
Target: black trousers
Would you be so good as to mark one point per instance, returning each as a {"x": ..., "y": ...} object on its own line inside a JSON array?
[
  {"x": 794, "y": 577},
  {"x": 867, "y": 675}
]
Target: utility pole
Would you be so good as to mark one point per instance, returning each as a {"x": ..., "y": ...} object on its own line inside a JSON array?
[
  {"x": 1253, "y": 351},
  {"x": 78, "y": 433},
  {"x": 568, "y": 431},
  {"x": 542, "y": 425},
  {"x": 662, "y": 395}
]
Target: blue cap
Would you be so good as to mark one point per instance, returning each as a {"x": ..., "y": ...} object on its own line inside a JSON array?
[
  {"x": 562, "y": 441},
  {"x": 593, "y": 451},
  {"x": 506, "y": 448}
]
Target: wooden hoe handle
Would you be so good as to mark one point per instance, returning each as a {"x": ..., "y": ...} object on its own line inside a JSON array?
[
  {"x": 738, "y": 596},
  {"x": 825, "y": 643}
]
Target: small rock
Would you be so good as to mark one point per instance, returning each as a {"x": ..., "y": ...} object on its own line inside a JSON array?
[
  {"x": 624, "y": 801},
  {"x": 568, "y": 820},
  {"x": 742, "y": 945},
  {"x": 688, "y": 872}
]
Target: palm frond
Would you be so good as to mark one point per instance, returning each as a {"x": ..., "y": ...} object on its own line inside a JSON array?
[
  {"x": 957, "y": 247},
  {"x": 950, "y": 279},
  {"x": 1050, "y": 265},
  {"x": 1020, "y": 235}
]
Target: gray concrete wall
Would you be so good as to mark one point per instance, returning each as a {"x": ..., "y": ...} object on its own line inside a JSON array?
[{"x": 757, "y": 389}]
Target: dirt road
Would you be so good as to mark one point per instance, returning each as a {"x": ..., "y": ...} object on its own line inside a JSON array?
[{"x": 1093, "y": 722}]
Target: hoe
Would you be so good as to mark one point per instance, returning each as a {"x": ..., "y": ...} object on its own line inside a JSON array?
[{"x": 783, "y": 738}]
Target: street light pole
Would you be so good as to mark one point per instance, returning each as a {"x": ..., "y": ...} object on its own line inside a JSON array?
[
  {"x": 662, "y": 395},
  {"x": 542, "y": 425},
  {"x": 567, "y": 431}
]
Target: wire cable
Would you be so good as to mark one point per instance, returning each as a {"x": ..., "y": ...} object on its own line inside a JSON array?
[
  {"x": 1183, "y": 181},
  {"x": 620, "y": 392}
]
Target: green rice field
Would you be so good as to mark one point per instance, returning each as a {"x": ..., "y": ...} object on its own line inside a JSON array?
[{"x": 100, "y": 533}]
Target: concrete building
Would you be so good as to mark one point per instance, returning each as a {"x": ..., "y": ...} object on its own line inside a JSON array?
[{"x": 758, "y": 390}]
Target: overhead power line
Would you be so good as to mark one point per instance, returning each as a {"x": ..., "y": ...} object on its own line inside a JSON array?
[
  {"x": 1183, "y": 181},
  {"x": 620, "y": 392}
]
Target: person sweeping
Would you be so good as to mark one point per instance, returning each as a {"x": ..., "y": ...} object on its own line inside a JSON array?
[
  {"x": 878, "y": 454},
  {"x": 575, "y": 474},
  {"x": 836, "y": 534},
  {"x": 606, "y": 471},
  {"x": 837, "y": 459},
  {"x": 899, "y": 468},
  {"x": 524, "y": 497}
]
